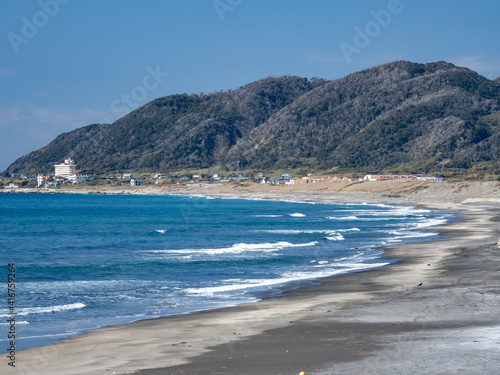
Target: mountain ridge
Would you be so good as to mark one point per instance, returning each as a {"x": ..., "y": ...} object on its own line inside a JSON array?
[{"x": 399, "y": 116}]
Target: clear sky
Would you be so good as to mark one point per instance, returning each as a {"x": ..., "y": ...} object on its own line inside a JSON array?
[{"x": 70, "y": 63}]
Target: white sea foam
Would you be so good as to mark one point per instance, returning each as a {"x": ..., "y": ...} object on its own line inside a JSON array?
[
  {"x": 267, "y": 215},
  {"x": 17, "y": 322},
  {"x": 308, "y": 231},
  {"x": 285, "y": 278},
  {"x": 431, "y": 222},
  {"x": 298, "y": 201},
  {"x": 332, "y": 235},
  {"x": 127, "y": 297},
  {"x": 343, "y": 218},
  {"x": 297, "y": 214},
  {"x": 336, "y": 237},
  {"x": 357, "y": 218},
  {"x": 48, "y": 309},
  {"x": 134, "y": 316},
  {"x": 389, "y": 211},
  {"x": 237, "y": 248},
  {"x": 209, "y": 291},
  {"x": 411, "y": 230},
  {"x": 162, "y": 231},
  {"x": 351, "y": 257},
  {"x": 233, "y": 197},
  {"x": 401, "y": 233},
  {"x": 349, "y": 230},
  {"x": 357, "y": 266},
  {"x": 44, "y": 287}
]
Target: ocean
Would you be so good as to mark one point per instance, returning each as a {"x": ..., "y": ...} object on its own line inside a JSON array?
[{"x": 88, "y": 261}]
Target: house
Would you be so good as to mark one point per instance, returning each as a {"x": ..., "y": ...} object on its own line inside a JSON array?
[
  {"x": 238, "y": 179},
  {"x": 286, "y": 177},
  {"x": 429, "y": 178},
  {"x": 275, "y": 180},
  {"x": 374, "y": 177},
  {"x": 196, "y": 177},
  {"x": 41, "y": 180},
  {"x": 136, "y": 181},
  {"x": 78, "y": 179},
  {"x": 262, "y": 176},
  {"x": 159, "y": 181},
  {"x": 12, "y": 185},
  {"x": 385, "y": 177},
  {"x": 216, "y": 177},
  {"x": 128, "y": 176}
]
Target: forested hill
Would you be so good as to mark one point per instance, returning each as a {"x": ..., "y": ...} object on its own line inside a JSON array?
[{"x": 399, "y": 116}]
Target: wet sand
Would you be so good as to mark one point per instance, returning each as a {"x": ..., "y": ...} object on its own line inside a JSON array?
[{"x": 433, "y": 312}]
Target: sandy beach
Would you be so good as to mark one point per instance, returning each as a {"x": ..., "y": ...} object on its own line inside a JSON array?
[{"x": 432, "y": 312}]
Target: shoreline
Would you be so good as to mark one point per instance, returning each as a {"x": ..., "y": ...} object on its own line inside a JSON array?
[
  {"x": 293, "y": 347},
  {"x": 442, "y": 195},
  {"x": 182, "y": 340}
]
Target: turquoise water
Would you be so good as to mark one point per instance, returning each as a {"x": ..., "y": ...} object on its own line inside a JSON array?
[{"x": 88, "y": 261}]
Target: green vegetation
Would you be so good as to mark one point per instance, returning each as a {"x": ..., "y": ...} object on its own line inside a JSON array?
[
  {"x": 21, "y": 183},
  {"x": 399, "y": 117}
]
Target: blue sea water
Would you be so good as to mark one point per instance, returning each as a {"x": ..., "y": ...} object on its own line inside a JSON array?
[{"x": 88, "y": 261}]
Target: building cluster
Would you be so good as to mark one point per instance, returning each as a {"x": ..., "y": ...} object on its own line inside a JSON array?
[
  {"x": 284, "y": 179},
  {"x": 313, "y": 180},
  {"x": 388, "y": 177},
  {"x": 134, "y": 181},
  {"x": 65, "y": 172}
]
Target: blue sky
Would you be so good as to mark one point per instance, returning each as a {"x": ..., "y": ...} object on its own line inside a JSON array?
[{"x": 70, "y": 63}]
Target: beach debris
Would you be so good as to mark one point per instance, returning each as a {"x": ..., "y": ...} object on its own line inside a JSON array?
[
  {"x": 286, "y": 352},
  {"x": 420, "y": 284},
  {"x": 302, "y": 373}
]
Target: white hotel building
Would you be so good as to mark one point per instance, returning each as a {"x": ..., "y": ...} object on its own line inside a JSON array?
[{"x": 65, "y": 170}]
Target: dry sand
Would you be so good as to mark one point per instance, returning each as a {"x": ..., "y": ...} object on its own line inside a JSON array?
[{"x": 380, "y": 321}]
